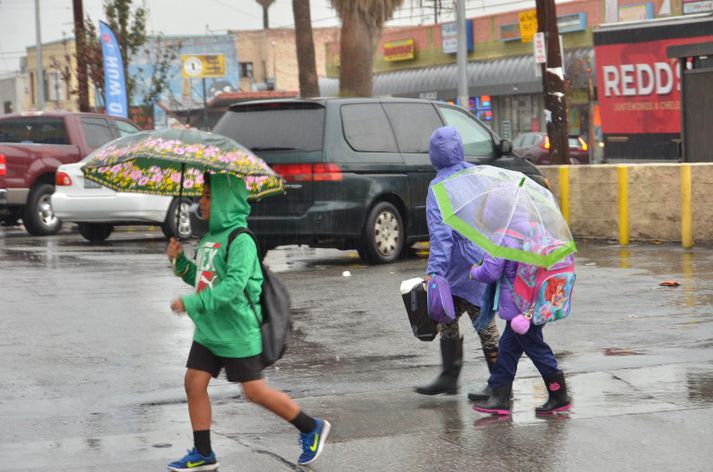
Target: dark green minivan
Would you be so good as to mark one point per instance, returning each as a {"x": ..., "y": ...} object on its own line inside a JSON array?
[{"x": 357, "y": 168}]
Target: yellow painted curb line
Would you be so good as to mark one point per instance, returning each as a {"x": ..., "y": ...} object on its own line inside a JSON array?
[
  {"x": 623, "y": 177},
  {"x": 564, "y": 192},
  {"x": 686, "y": 211}
]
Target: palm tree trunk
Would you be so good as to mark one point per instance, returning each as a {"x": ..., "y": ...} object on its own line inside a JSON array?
[
  {"x": 357, "y": 46},
  {"x": 306, "y": 64}
]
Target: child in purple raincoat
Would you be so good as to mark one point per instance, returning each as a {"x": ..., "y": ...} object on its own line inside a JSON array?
[
  {"x": 512, "y": 345},
  {"x": 450, "y": 257}
]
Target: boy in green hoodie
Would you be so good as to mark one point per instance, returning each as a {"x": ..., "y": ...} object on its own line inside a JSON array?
[{"x": 227, "y": 330}]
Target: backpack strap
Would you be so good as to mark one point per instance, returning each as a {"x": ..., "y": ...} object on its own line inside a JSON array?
[
  {"x": 237, "y": 232},
  {"x": 234, "y": 234}
]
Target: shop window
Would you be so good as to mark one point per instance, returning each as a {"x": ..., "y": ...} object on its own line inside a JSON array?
[{"x": 246, "y": 70}]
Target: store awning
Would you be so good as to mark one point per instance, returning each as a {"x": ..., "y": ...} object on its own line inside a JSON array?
[{"x": 508, "y": 76}]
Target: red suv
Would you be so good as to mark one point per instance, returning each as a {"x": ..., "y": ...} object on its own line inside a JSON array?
[{"x": 535, "y": 147}]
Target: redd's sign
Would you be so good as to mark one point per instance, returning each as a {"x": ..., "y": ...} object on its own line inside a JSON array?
[
  {"x": 639, "y": 86},
  {"x": 631, "y": 80}
]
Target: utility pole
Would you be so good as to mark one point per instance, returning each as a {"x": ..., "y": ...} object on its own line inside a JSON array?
[
  {"x": 39, "y": 71},
  {"x": 553, "y": 83},
  {"x": 462, "y": 55},
  {"x": 79, "y": 38}
]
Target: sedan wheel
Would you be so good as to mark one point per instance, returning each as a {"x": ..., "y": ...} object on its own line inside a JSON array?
[{"x": 183, "y": 228}]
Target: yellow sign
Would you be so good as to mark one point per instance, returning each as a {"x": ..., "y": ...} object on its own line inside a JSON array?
[
  {"x": 528, "y": 25},
  {"x": 202, "y": 66},
  {"x": 401, "y": 50}
]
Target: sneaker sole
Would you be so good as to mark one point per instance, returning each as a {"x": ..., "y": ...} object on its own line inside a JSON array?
[
  {"x": 201, "y": 468},
  {"x": 493, "y": 411},
  {"x": 322, "y": 439}
]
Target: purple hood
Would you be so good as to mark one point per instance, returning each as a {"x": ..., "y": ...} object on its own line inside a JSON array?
[{"x": 450, "y": 255}]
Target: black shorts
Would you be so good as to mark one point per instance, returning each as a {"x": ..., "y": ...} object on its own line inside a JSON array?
[{"x": 237, "y": 369}]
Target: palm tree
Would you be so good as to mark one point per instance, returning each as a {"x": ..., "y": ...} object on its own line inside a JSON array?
[
  {"x": 362, "y": 23},
  {"x": 305, "y": 49}
]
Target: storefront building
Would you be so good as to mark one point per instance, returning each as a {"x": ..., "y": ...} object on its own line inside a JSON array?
[{"x": 504, "y": 83}]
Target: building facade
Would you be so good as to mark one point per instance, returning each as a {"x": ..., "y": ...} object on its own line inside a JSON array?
[
  {"x": 13, "y": 87},
  {"x": 505, "y": 85},
  {"x": 58, "y": 62},
  {"x": 268, "y": 58}
]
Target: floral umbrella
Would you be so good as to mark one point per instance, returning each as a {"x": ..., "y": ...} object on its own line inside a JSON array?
[{"x": 172, "y": 161}]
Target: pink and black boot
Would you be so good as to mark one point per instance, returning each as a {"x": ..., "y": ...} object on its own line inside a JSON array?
[
  {"x": 558, "y": 400},
  {"x": 498, "y": 403}
]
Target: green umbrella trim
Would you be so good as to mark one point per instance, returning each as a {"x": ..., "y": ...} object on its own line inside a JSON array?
[{"x": 513, "y": 254}]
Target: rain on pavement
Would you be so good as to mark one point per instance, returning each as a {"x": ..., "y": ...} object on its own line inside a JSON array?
[{"x": 93, "y": 364}]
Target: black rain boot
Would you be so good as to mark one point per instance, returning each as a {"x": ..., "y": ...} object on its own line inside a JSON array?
[
  {"x": 558, "y": 399},
  {"x": 447, "y": 381},
  {"x": 491, "y": 356},
  {"x": 498, "y": 403}
]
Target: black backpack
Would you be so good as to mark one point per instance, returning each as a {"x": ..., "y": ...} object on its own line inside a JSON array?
[{"x": 276, "y": 324}]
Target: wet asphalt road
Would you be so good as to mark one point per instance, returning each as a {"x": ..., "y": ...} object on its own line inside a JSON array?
[{"x": 93, "y": 361}]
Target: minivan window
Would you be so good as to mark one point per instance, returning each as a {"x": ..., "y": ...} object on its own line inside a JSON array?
[
  {"x": 477, "y": 141},
  {"x": 39, "y": 130},
  {"x": 96, "y": 131},
  {"x": 413, "y": 124},
  {"x": 367, "y": 129},
  {"x": 297, "y": 127}
]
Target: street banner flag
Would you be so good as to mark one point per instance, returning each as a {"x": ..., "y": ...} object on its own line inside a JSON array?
[{"x": 114, "y": 81}]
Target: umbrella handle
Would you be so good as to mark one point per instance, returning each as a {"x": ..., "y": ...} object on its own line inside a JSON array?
[{"x": 180, "y": 201}]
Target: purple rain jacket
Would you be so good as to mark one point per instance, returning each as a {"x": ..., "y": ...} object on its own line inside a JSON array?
[{"x": 451, "y": 255}]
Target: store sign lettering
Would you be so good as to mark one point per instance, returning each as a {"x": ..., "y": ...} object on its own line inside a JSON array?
[{"x": 630, "y": 80}]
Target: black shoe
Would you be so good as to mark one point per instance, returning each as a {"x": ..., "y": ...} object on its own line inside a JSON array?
[
  {"x": 452, "y": 359},
  {"x": 491, "y": 357},
  {"x": 498, "y": 403},
  {"x": 558, "y": 400},
  {"x": 481, "y": 395}
]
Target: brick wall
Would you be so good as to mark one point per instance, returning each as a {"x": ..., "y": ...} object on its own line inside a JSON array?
[{"x": 279, "y": 59}]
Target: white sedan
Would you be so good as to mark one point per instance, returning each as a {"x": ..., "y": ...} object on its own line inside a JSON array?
[{"x": 98, "y": 209}]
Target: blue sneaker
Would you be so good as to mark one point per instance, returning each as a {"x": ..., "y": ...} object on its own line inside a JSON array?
[
  {"x": 313, "y": 443},
  {"x": 194, "y": 461}
]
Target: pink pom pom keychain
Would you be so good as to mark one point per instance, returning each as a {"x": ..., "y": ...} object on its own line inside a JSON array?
[{"x": 521, "y": 323}]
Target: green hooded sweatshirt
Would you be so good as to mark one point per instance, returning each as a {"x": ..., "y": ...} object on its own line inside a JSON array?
[{"x": 224, "y": 320}]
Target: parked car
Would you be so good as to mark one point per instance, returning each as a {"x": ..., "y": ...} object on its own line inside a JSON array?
[
  {"x": 97, "y": 209},
  {"x": 32, "y": 146},
  {"x": 358, "y": 169},
  {"x": 535, "y": 147}
]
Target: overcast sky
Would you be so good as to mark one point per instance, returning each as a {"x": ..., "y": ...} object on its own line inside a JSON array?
[{"x": 17, "y": 18}]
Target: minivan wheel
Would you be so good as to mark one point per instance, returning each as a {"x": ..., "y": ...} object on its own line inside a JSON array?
[
  {"x": 384, "y": 235},
  {"x": 95, "y": 232}
]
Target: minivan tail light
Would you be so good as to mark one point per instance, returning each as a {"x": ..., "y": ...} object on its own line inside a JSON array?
[
  {"x": 327, "y": 173},
  {"x": 3, "y": 165},
  {"x": 309, "y": 172},
  {"x": 294, "y": 172},
  {"x": 62, "y": 179}
]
